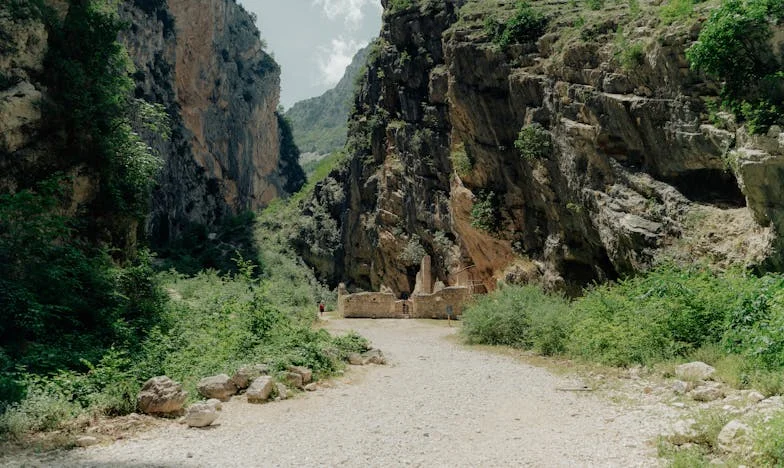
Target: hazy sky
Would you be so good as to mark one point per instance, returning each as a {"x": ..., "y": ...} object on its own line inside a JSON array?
[{"x": 314, "y": 40}]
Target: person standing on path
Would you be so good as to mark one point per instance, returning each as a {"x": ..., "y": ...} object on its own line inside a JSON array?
[{"x": 321, "y": 308}]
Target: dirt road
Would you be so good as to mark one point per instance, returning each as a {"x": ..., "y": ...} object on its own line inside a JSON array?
[{"x": 437, "y": 403}]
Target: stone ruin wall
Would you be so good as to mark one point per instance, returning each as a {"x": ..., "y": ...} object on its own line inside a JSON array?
[{"x": 445, "y": 302}]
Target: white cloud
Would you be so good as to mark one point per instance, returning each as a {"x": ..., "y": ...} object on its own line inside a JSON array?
[
  {"x": 336, "y": 58},
  {"x": 349, "y": 10}
]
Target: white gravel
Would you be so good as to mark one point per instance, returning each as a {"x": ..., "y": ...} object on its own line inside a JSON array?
[{"x": 437, "y": 403}]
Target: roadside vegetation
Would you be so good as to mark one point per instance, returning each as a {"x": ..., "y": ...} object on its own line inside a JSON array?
[{"x": 733, "y": 321}]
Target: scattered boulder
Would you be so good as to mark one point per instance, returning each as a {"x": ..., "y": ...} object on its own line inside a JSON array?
[
  {"x": 679, "y": 387},
  {"x": 218, "y": 386},
  {"x": 292, "y": 379},
  {"x": 281, "y": 391},
  {"x": 754, "y": 396},
  {"x": 260, "y": 389},
  {"x": 694, "y": 371},
  {"x": 161, "y": 396},
  {"x": 311, "y": 387},
  {"x": 307, "y": 374},
  {"x": 245, "y": 375},
  {"x": 355, "y": 359},
  {"x": 202, "y": 414},
  {"x": 86, "y": 441},
  {"x": 735, "y": 437},
  {"x": 374, "y": 356},
  {"x": 707, "y": 393}
]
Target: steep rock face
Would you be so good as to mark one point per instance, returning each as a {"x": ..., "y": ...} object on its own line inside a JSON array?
[
  {"x": 205, "y": 61},
  {"x": 636, "y": 171},
  {"x": 319, "y": 123}
]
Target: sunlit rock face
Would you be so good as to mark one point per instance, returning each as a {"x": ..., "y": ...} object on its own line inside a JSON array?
[{"x": 635, "y": 171}]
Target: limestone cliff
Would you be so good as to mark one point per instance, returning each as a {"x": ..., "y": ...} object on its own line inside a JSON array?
[
  {"x": 636, "y": 169},
  {"x": 204, "y": 61}
]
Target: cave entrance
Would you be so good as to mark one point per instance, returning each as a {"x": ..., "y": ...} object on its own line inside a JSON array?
[{"x": 710, "y": 186}]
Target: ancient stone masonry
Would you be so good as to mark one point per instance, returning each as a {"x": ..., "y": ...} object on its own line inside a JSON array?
[{"x": 427, "y": 301}]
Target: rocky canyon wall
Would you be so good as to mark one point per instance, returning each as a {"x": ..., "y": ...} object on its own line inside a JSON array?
[
  {"x": 636, "y": 170},
  {"x": 204, "y": 61}
]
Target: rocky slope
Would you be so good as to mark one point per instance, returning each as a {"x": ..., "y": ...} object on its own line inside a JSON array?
[
  {"x": 319, "y": 123},
  {"x": 633, "y": 168},
  {"x": 206, "y": 64}
]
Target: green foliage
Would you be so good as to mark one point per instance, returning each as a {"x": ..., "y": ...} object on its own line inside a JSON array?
[
  {"x": 485, "y": 214},
  {"x": 397, "y": 6},
  {"x": 676, "y": 10},
  {"x": 526, "y": 25},
  {"x": 769, "y": 441},
  {"x": 534, "y": 142},
  {"x": 595, "y": 4},
  {"x": 522, "y": 317},
  {"x": 667, "y": 314},
  {"x": 628, "y": 54},
  {"x": 734, "y": 46},
  {"x": 461, "y": 161},
  {"x": 634, "y": 7},
  {"x": 288, "y": 164},
  {"x": 414, "y": 252}
]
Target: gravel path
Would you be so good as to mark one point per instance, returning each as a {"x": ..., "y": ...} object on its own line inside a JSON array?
[{"x": 437, "y": 403}]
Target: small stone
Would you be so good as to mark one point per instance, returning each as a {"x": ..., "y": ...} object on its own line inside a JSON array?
[
  {"x": 245, "y": 375},
  {"x": 311, "y": 387},
  {"x": 201, "y": 414},
  {"x": 755, "y": 397},
  {"x": 161, "y": 396},
  {"x": 694, "y": 371},
  {"x": 355, "y": 359},
  {"x": 260, "y": 389},
  {"x": 218, "y": 386},
  {"x": 86, "y": 441},
  {"x": 307, "y": 374},
  {"x": 292, "y": 379},
  {"x": 281, "y": 391},
  {"x": 735, "y": 437},
  {"x": 679, "y": 387},
  {"x": 374, "y": 356},
  {"x": 215, "y": 403},
  {"x": 707, "y": 393}
]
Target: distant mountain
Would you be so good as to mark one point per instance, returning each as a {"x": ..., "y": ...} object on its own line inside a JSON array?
[{"x": 319, "y": 123}]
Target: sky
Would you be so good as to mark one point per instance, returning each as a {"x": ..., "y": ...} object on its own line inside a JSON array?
[{"x": 314, "y": 40}]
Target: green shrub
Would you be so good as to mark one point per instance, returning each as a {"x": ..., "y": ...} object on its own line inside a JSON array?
[
  {"x": 522, "y": 317},
  {"x": 534, "y": 142},
  {"x": 461, "y": 161},
  {"x": 595, "y": 4},
  {"x": 414, "y": 252},
  {"x": 734, "y": 47},
  {"x": 769, "y": 441},
  {"x": 526, "y": 25},
  {"x": 485, "y": 213},
  {"x": 676, "y": 10},
  {"x": 629, "y": 55}
]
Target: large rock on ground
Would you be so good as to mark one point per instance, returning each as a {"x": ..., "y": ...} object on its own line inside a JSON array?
[
  {"x": 220, "y": 387},
  {"x": 373, "y": 356},
  {"x": 307, "y": 374},
  {"x": 246, "y": 374},
  {"x": 260, "y": 389},
  {"x": 735, "y": 437},
  {"x": 202, "y": 414},
  {"x": 694, "y": 371},
  {"x": 355, "y": 359},
  {"x": 281, "y": 391},
  {"x": 707, "y": 393},
  {"x": 161, "y": 396},
  {"x": 292, "y": 379}
]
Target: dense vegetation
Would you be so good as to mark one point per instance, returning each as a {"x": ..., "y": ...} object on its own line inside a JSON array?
[
  {"x": 87, "y": 315},
  {"x": 735, "y": 47}
]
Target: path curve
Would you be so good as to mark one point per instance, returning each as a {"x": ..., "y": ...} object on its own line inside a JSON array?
[{"x": 437, "y": 403}]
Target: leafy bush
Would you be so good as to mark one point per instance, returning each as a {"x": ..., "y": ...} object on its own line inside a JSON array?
[
  {"x": 733, "y": 320},
  {"x": 484, "y": 213},
  {"x": 526, "y": 25},
  {"x": 461, "y": 161},
  {"x": 521, "y": 317},
  {"x": 414, "y": 252},
  {"x": 534, "y": 142},
  {"x": 676, "y": 10},
  {"x": 734, "y": 47},
  {"x": 595, "y": 4}
]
